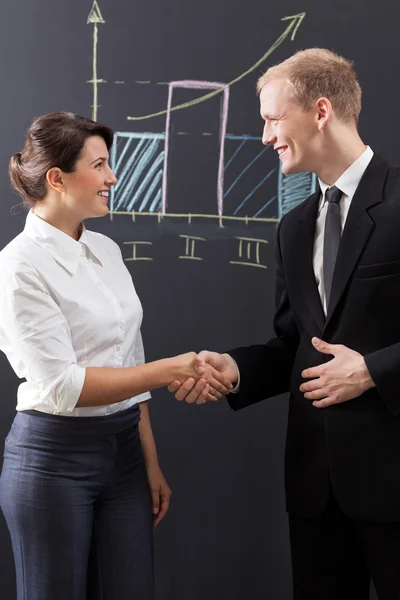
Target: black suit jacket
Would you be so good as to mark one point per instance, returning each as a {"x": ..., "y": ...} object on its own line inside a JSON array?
[{"x": 353, "y": 446}]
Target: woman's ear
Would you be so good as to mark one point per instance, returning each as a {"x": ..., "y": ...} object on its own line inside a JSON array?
[{"x": 55, "y": 180}]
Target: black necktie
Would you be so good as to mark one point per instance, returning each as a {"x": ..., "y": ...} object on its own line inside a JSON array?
[{"x": 333, "y": 231}]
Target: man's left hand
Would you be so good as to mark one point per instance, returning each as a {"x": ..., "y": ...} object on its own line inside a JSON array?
[{"x": 343, "y": 378}]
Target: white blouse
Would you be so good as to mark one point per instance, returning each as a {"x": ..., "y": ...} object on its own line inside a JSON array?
[{"x": 66, "y": 305}]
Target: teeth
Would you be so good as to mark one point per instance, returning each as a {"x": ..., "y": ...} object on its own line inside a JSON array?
[
  {"x": 281, "y": 150},
  {"x": 104, "y": 194}
]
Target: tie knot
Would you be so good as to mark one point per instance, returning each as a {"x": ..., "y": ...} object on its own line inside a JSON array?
[{"x": 333, "y": 194}]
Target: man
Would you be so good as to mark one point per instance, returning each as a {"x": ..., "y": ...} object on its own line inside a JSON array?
[{"x": 337, "y": 345}]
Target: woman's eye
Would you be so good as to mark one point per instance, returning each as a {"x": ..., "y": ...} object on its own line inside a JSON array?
[{"x": 98, "y": 165}]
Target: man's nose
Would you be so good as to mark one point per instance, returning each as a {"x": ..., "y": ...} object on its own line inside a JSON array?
[{"x": 268, "y": 137}]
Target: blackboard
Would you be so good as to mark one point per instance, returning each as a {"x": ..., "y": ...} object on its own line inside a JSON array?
[{"x": 195, "y": 215}]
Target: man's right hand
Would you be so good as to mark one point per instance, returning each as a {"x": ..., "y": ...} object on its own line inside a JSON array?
[{"x": 199, "y": 392}]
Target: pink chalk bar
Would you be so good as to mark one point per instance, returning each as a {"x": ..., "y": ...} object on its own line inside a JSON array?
[{"x": 199, "y": 85}]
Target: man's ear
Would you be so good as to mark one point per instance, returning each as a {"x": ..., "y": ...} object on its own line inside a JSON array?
[
  {"x": 324, "y": 112},
  {"x": 55, "y": 179}
]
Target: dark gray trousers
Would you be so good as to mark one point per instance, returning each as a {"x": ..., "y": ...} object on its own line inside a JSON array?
[
  {"x": 76, "y": 499},
  {"x": 334, "y": 557}
]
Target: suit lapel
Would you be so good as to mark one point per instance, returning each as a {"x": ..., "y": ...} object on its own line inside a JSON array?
[
  {"x": 358, "y": 228},
  {"x": 304, "y": 237}
]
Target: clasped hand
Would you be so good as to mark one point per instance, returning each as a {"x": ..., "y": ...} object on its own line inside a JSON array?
[{"x": 205, "y": 377}]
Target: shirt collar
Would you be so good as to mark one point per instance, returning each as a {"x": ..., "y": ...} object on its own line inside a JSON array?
[
  {"x": 349, "y": 180},
  {"x": 62, "y": 247}
]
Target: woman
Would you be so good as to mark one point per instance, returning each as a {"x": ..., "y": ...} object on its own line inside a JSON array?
[{"x": 80, "y": 454}]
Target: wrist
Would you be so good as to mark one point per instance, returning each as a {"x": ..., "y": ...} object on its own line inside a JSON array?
[
  {"x": 151, "y": 463},
  {"x": 232, "y": 370},
  {"x": 169, "y": 369},
  {"x": 367, "y": 381},
  {"x": 179, "y": 366}
]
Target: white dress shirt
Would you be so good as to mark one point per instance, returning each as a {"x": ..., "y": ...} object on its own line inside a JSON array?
[
  {"x": 347, "y": 183},
  {"x": 66, "y": 305}
]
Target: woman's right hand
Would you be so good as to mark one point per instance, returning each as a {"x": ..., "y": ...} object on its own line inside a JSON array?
[{"x": 215, "y": 384}]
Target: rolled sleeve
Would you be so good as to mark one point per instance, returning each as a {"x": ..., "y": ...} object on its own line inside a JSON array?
[
  {"x": 65, "y": 391},
  {"x": 36, "y": 338}
]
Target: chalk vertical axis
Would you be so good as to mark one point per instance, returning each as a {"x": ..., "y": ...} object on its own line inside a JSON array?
[{"x": 95, "y": 17}]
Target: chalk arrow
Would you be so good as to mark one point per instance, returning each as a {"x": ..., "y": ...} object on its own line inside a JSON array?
[{"x": 291, "y": 30}]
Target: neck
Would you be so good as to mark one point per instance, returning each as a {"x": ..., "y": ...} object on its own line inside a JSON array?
[
  {"x": 341, "y": 149},
  {"x": 58, "y": 218}
]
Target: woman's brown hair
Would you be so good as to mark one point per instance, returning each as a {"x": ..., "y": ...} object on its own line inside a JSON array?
[{"x": 53, "y": 140}]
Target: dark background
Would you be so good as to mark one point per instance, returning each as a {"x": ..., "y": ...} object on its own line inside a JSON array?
[{"x": 226, "y": 533}]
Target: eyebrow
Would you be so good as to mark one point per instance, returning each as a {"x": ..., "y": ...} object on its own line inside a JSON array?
[{"x": 269, "y": 116}]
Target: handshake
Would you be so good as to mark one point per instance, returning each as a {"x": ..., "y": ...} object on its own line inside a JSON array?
[{"x": 203, "y": 377}]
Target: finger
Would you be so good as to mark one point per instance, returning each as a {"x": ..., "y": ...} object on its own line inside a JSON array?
[
  {"x": 224, "y": 384},
  {"x": 202, "y": 398},
  {"x": 218, "y": 387},
  {"x": 165, "y": 500},
  {"x": 185, "y": 388},
  {"x": 197, "y": 391},
  {"x": 155, "y": 500},
  {"x": 310, "y": 386},
  {"x": 316, "y": 395},
  {"x": 324, "y": 347},
  {"x": 312, "y": 372},
  {"x": 212, "y": 395},
  {"x": 174, "y": 386},
  {"x": 199, "y": 365},
  {"x": 217, "y": 381},
  {"x": 217, "y": 395},
  {"x": 324, "y": 403}
]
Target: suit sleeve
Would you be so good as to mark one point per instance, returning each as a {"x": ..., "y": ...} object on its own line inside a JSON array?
[
  {"x": 265, "y": 369},
  {"x": 384, "y": 367}
]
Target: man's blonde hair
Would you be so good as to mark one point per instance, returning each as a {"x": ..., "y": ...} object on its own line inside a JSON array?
[{"x": 315, "y": 73}]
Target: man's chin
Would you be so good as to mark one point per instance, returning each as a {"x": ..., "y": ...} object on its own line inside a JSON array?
[{"x": 290, "y": 169}]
